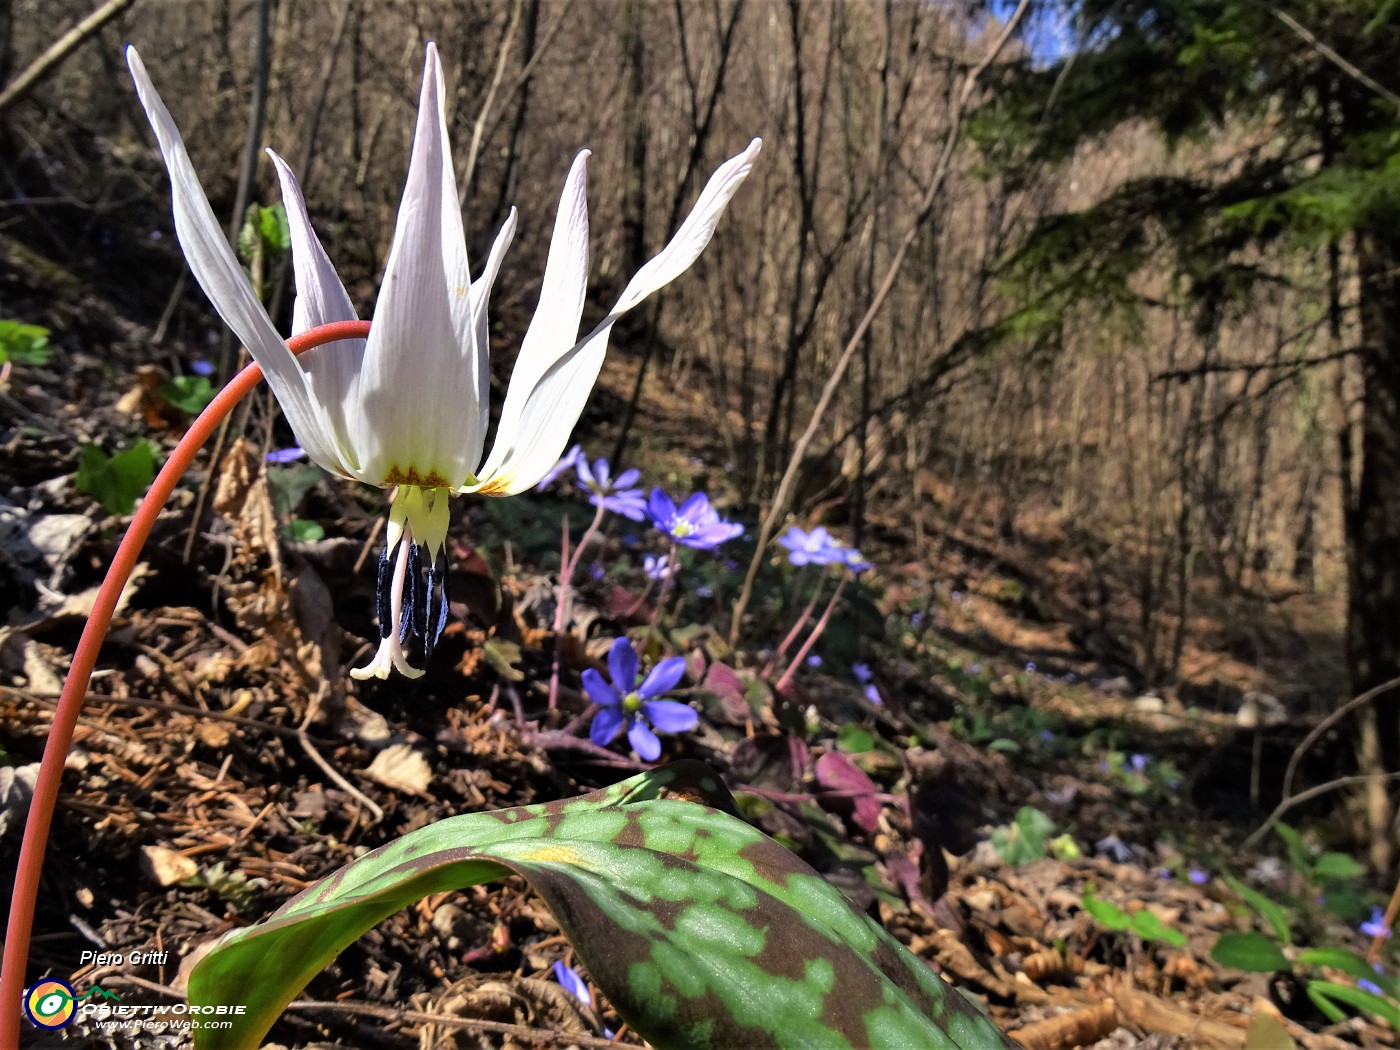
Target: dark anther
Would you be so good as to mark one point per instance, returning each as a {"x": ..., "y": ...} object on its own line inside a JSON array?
[
  {"x": 413, "y": 598},
  {"x": 381, "y": 593},
  {"x": 436, "y": 618}
]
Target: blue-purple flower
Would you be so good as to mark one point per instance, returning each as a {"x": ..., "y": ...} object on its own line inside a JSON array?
[
  {"x": 695, "y": 524},
  {"x": 1371, "y": 986},
  {"x": 820, "y": 547},
  {"x": 862, "y": 673},
  {"x": 622, "y": 702},
  {"x": 657, "y": 566},
  {"x": 1197, "y": 877},
  {"x": 1376, "y": 927},
  {"x": 614, "y": 494},
  {"x": 817, "y": 547},
  {"x": 572, "y": 983},
  {"x": 201, "y": 367},
  {"x": 567, "y": 462},
  {"x": 286, "y": 455}
]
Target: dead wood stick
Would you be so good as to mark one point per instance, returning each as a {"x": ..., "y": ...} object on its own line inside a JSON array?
[{"x": 61, "y": 49}]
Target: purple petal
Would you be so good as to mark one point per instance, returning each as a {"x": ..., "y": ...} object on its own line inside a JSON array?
[
  {"x": 794, "y": 539},
  {"x": 629, "y": 504},
  {"x": 286, "y": 455},
  {"x": 201, "y": 367},
  {"x": 670, "y": 716},
  {"x": 599, "y": 690},
  {"x": 662, "y": 509},
  {"x": 627, "y": 478},
  {"x": 585, "y": 472},
  {"x": 622, "y": 662},
  {"x": 572, "y": 983},
  {"x": 695, "y": 508},
  {"x": 607, "y": 723},
  {"x": 644, "y": 741},
  {"x": 663, "y": 677}
]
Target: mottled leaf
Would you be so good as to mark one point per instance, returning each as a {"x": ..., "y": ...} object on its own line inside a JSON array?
[{"x": 700, "y": 930}]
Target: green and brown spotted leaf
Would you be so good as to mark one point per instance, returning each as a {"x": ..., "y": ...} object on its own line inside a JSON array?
[{"x": 701, "y": 931}]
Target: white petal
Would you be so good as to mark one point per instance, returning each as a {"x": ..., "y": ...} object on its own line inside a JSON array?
[
  {"x": 481, "y": 299},
  {"x": 218, "y": 272},
  {"x": 529, "y": 443},
  {"x": 321, "y": 299},
  {"x": 690, "y": 240},
  {"x": 418, "y": 395}
]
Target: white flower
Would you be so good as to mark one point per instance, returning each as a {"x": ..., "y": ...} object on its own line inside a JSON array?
[{"x": 407, "y": 407}]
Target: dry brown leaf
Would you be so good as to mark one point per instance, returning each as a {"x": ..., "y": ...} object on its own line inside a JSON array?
[
  {"x": 1066, "y": 1031},
  {"x": 167, "y": 866},
  {"x": 1155, "y": 1014},
  {"x": 1268, "y": 1032},
  {"x": 402, "y": 768}
]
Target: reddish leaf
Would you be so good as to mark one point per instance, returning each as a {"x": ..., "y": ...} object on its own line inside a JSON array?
[{"x": 836, "y": 772}]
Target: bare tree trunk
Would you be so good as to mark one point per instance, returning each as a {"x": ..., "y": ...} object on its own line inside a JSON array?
[{"x": 510, "y": 174}]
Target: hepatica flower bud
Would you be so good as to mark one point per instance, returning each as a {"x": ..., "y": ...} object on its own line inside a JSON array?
[{"x": 406, "y": 409}]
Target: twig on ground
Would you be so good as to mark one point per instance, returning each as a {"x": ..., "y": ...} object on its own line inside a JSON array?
[{"x": 326, "y": 767}]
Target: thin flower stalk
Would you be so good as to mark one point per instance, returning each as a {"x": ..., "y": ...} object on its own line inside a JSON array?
[
  {"x": 797, "y": 627},
  {"x": 567, "y": 567},
  {"x": 786, "y": 679},
  {"x": 99, "y": 622},
  {"x": 666, "y": 582}
]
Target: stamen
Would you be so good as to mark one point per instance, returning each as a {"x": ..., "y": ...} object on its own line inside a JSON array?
[
  {"x": 381, "y": 593},
  {"x": 413, "y": 605},
  {"x": 436, "y": 620}
]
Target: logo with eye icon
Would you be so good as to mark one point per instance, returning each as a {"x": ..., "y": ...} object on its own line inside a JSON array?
[{"x": 50, "y": 1003}]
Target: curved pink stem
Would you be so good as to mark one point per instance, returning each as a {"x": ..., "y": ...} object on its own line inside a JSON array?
[{"x": 70, "y": 701}]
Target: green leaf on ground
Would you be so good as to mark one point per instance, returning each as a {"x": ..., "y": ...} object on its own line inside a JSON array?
[
  {"x": 117, "y": 482},
  {"x": 1249, "y": 951},
  {"x": 700, "y": 930}
]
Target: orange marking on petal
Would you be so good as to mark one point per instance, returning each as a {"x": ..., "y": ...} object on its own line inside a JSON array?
[
  {"x": 495, "y": 487},
  {"x": 434, "y": 480}
]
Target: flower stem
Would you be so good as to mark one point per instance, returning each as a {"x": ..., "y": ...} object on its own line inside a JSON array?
[
  {"x": 786, "y": 679},
  {"x": 796, "y": 630},
  {"x": 567, "y": 567},
  {"x": 673, "y": 563},
  {"x": 70, "y": 701}
]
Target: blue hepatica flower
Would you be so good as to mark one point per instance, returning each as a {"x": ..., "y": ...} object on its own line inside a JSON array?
[
  {"x": 1371, "y": 986},
  {"x": 567, "y": 462},
  {"x": 820, "y": 547},
  {"x": 1139, "y": 762},
  {"x": 614, "y": 494},
  {"x": 286, "y": 455},
  {"x": 572, "y": 983},
  {"x": 202, "y": 367},
  {"x": 695, "y": 524},
  {"x": 1376, "y": 927},
  {"x": 1197, "y": 877},
  {"x": 862, "y": 673},
  {"x": 657, "y": 567},
  {"x": 622, "y": 702},
  {"x": 817, "y": 547}
]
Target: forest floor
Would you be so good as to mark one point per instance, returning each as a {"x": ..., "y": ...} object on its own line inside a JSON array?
[{"x": 1018, "y": 773}]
